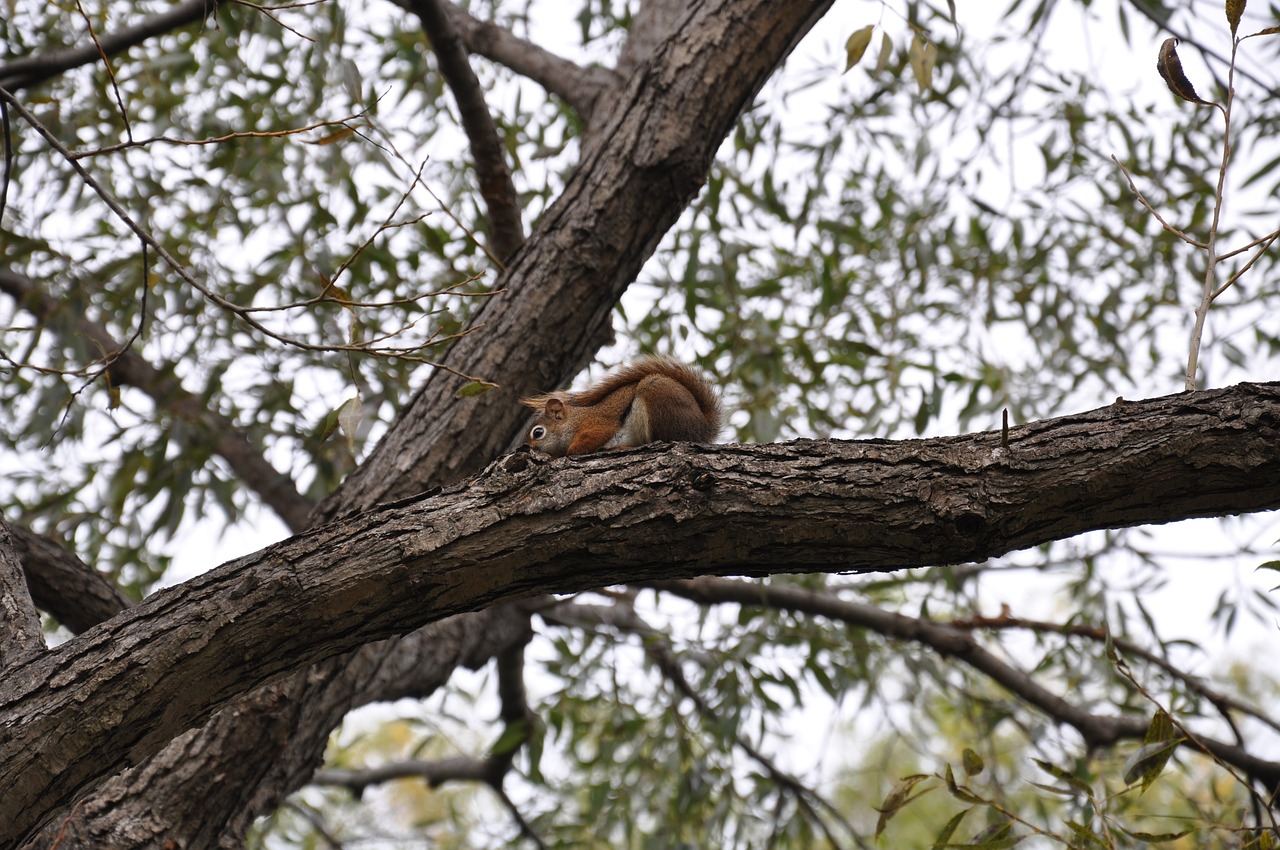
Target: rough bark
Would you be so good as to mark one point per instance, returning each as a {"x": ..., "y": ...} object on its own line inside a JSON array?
[
  {"x": 656, "y": 147},
  {"x": 65, "y": 586},
  {"x": 20, "y": 635},
  {"x": 527, "y": 526},
  {"x": 561, "y": 286}
]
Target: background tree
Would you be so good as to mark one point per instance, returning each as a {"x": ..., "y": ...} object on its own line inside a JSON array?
[{"x": 234, "y": 235}]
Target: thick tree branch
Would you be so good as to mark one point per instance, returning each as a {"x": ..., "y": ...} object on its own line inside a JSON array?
[
  {"x": 505, "y": 228},
  {"x": 23, "y": 73},
  {"x": 127, "y": 367},
  {"x": 526, "y": 526},
  {"x": 65, "y": 586},
  {"x": 20, "y": 635},
  {"x": 562, "y": 285}
]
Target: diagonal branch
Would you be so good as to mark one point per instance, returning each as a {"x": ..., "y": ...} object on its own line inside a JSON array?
[
  {"x": 582, "y": 88},
  {"x": 1097, "y": 730},
  {"x": 24, "y": 73},
  {"x": 127, "y": 367},
  {"x": 20, "y": 635},
  {"x": 76, "y": 594},
  {"x": 499, "y": 193}
]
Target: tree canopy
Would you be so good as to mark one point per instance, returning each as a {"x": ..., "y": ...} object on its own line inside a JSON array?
[{"x": 282, "y": 273}]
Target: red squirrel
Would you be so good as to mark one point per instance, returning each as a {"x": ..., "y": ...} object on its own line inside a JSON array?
[{"x": 652, "y": 399}]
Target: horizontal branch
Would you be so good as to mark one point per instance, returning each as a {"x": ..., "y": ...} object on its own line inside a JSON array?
[
  {"x": 528, "y": 525},
  {"x": 950, "y": 641}
]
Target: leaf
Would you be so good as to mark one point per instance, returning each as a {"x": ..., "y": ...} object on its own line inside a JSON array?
[
  {"x": 886, "y": 53},
  {"x": 1086, "y": 834},
  {"x": 1157, "y": 838},
  {"x": 1066, "y": 776},
  {"x": 856, "y": 46},
  {"x": 1149, "y": 761},
  {"x": 352, "y": 82},
  {"x": 335, "y": 136},
  {"x": 899, "y": 797},
  {"x": 959, "y": 791},
  {"x": 1235, "y": 8},
  {"x": 511, "y": 739},
  {"x": 949, "y": 829},
  {"x": 972, "y": 762},
  {"x": 1170, "y": 68},
  {"x": 349, "y": 416},
  {"x": 1267, "y": 31},
  {"x": 923, "y": 57},
  {"x": 475, "y": 388}
]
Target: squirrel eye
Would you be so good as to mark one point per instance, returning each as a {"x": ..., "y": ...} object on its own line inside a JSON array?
[{"x": 537, "y": 433}]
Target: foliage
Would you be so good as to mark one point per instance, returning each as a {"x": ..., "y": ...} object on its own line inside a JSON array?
[{"x": 886, "y": 253}]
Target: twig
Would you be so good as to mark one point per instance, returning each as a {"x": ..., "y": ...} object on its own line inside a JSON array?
[
  {"x": 1262, "y": 249},
  {"x": 406, "y": 352},
  {"x": 1211, "y": 259},
  {"x": 1142, "y": 200},
  {"x": 111, "y": 74}
]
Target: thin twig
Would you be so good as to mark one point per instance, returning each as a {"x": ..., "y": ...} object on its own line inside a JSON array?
[
  {"x": 1142, "y": 200},
  {"x": 1211, "y": 258}
]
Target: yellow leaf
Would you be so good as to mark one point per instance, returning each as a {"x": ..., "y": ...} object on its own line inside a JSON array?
[
  {"x": 923, "y": 57},
  {"x": 1235, "y": 8},
  {"x": 335, "y": 136},
  {"x": 886, "y": 53},
  {"x": 856, "y": 46}
]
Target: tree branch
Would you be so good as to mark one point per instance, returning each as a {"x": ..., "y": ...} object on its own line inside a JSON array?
[
  {"x": 20, "y": 636},
  {"x": 492, "y": 171},
  {"x": 561, "y": 288},
  {"x": 127, "y": 367},
  {"x": 530, "y": 526},
  {"x": 623, "y": 617},
  {"x": 1097, "y": 730},
  {"x": 23, "y": 73},
  {"x": 65, "y": 586},
  {"x": 582, "y": 88}
]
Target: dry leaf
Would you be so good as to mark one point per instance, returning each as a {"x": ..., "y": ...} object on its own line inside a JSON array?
[{"x": 1170, "y": 67}]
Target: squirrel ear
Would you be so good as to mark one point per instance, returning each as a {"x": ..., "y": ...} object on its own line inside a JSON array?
[{"x": 554, "y": 408}]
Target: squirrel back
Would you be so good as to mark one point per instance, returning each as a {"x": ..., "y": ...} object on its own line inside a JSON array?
[{"x": 652, "y": 399}]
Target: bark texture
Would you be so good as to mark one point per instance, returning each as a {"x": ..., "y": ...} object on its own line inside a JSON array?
[
  {"x": 656, "y": 139},
  {"x": 527, "y": 526}
]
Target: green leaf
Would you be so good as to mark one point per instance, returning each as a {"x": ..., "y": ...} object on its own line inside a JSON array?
[
  {"x": 1148, "y": 762},
  {"x": 476, "y": 388},
  {"x": 350, "y": 415},
  {"x": 1058, "y": 773},
  {"x": 899, "y": 797},
  {"x": 972, "y": 762},
  {"x": 949, "y": 829}
]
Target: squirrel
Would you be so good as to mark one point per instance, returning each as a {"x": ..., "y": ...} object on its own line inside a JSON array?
[{"x": 652, "y": 399}]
